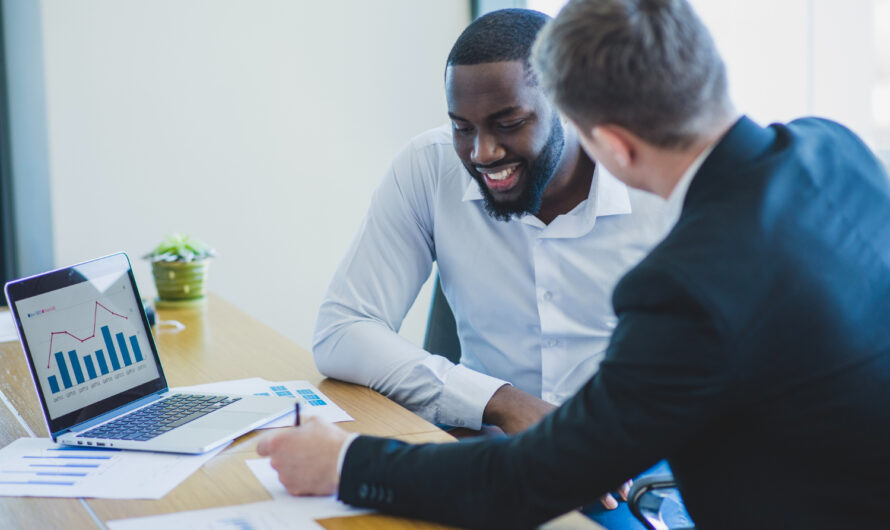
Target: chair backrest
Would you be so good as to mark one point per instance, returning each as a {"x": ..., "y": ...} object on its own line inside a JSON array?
[
  {"x": 655, "y": 501},
  {"x": 441, "y": 329}
]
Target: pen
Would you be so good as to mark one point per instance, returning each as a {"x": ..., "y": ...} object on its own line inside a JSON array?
[{"x": 297, "y": 417}]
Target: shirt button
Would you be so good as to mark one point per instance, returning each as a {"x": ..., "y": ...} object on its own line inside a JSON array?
[
  {"x": 552, "y": 342},
  {"x": 548, "y": 295}
]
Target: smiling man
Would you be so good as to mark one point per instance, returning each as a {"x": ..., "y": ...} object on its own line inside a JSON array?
[
  {"x": 513, "y": 183},
  {"x": 529, "y": 234}
]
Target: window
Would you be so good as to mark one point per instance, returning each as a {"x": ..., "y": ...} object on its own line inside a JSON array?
[
  {"x": 803, "y": 57},
  {"x": 881, "y": 91}
]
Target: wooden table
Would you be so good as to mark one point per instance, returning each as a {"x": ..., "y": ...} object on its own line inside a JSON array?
[{"x": 219, "y": 343}]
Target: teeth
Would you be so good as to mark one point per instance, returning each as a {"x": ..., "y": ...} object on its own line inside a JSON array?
[{"x": 500, "y": 175}]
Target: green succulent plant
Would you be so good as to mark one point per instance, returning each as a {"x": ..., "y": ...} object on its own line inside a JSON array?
[{"x": 180, "y": 247}]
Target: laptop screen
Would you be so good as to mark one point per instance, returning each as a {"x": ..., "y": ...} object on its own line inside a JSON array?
[{"x": 86, "y": 339}]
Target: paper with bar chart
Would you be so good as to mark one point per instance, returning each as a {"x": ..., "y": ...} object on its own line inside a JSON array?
[
  {"x": 313, "y": 401},
  {"x": 88, "y": 342},
  {"x": 37, "y": 467}
]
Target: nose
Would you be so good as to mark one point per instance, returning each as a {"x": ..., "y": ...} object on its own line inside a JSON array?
[{"x": 486, "y": 150}]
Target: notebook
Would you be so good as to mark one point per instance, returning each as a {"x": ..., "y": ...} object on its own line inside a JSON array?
[{"x": 97, "y": 370}]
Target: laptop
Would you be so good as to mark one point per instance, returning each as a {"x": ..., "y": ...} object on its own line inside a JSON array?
[{"x": 97, "y": 370}]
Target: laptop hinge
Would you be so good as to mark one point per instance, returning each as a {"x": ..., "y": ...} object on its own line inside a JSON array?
[
  {"x": 55, "y": 435},
  {"x": 141, "y": 402}
]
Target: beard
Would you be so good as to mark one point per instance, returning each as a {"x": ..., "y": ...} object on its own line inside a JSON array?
[{"x": 540, "y": 171}]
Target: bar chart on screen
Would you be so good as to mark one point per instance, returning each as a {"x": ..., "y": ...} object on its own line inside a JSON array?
[
  {"x": 88, "y": 342},
  {"x": 101, "y": 365}
]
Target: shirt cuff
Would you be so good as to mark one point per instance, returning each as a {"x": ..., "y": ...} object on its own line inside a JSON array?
[
  {"x": 465, "y": 395},
  {"x": 343, "y": 448}
]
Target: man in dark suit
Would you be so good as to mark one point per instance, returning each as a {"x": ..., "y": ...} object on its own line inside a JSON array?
[{"x": 753, "y": 344}]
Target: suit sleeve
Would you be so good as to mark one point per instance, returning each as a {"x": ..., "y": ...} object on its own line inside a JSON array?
[{"x": 663, "y": 380}]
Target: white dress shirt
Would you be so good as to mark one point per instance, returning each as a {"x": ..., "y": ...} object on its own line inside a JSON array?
[
  {"x": 532, "y": 301},
  {"x": 674, "y": 205}
]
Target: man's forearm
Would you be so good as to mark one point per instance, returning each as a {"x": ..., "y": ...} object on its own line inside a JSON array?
[
  {"x": 513, "y": 410},
  {"x": 370, "y": 354}
]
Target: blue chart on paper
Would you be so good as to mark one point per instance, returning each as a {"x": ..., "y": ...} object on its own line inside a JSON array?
[{"x": 310, "y": 396}]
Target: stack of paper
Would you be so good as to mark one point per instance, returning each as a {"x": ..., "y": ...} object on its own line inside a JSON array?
[
  {"x": 284, "y": 512},
  {"x": 38, "y": 467},
  {"x": 269, "y": 515},
  {"x": 316, "y": 403}
]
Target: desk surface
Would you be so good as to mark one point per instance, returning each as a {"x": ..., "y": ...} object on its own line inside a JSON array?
[{"x": 219, "y": 343}]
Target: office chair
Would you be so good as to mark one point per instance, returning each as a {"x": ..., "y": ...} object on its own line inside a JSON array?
[
  {"x": 441, "y": 329},
  {"x": 653, "y": 500}
]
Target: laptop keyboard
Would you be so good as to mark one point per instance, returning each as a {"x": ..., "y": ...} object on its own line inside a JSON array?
[{"x": 158, "y": 418}]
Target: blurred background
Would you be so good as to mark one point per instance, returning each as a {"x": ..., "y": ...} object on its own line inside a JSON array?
[{"x": 263, "y": 126}]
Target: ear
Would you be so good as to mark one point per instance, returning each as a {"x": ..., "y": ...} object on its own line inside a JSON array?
[{"x": 617, "y": 143}]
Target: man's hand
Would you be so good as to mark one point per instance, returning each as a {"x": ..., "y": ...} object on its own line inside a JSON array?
[
  {"x": 609, "y": 501},
  {"x": 305, "y": 457},
  {"x": 513, "y": 410}
]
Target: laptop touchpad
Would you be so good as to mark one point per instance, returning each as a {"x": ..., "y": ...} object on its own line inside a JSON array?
[{"x": 225, "y": 419}]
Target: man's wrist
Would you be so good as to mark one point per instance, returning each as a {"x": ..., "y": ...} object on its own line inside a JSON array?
[
  {"x": 513, "y": 410},
  {"x": 343, "y": 449},
  {"x": 496, "y": 409},
  {"x": 464, "y": 397}
]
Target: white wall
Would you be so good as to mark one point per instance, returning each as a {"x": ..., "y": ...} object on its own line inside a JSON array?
[
  {"x": 791, "y": 58},
  {"x": 260, "y": 126}
]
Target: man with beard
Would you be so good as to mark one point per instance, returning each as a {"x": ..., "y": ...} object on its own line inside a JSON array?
[{"x": 530, "y": 236}]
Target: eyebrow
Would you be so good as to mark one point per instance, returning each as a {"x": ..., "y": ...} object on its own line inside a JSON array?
[{"x": 493, "y": 116}]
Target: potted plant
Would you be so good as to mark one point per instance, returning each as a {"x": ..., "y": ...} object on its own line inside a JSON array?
[{"x": 179, "y": 265}]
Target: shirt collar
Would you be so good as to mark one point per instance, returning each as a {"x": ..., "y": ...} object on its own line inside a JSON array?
[
  {"x": 471, "y": 191},
  {"x": 611, "y": 194},
  {"x": 674, "y": 205},
  {"x": 608, "y": 195}
]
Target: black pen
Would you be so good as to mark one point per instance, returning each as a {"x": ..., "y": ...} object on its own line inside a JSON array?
[{"x": 297, "y": 411}]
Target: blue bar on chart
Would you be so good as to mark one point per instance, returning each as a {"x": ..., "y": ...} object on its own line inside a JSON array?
[
  {"x": 75, "y": 364},
  {"x": 91, "y": 370},
  {"x": 63, "y": 369},
  {"x": 137, "y": 352},
  {"x": 125, "y": 353},
  {"x": 100, "y": 356},
  {"x": 53, "y": 384},
  {"x": 115, "y": 364}
]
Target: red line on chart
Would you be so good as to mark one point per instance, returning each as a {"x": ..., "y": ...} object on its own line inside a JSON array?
[{"x": 95, "y": 312}]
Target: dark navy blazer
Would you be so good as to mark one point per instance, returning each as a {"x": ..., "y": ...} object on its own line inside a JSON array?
[{"x": 752, "y": 351}]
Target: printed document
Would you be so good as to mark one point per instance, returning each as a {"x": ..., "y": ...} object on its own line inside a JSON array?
[
  {"x": 313, "y": 507},
  {"x": 38, "y": 467},
  {"x": 314, "y": 403},
  {"x": 268, "y": 515}
]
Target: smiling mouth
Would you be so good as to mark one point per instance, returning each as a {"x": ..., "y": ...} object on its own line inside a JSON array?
[{"x": 503, "y": 180}]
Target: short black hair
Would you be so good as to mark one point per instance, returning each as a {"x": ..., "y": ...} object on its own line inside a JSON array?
[{"x": 502, "y": 35}]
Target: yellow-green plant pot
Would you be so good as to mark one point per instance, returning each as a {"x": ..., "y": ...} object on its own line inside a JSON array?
[{"x": 180, "y": 283}]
